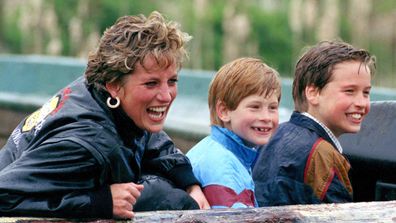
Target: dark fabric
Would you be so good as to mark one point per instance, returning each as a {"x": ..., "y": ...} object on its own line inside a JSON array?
[
  {"x": 161, "y": 157},
  {"x": 279, "y": 169},
  {"x": 372, "y": 153},
  {"x": 161, "y": 194},
  {"x": 60, "y": 161}
]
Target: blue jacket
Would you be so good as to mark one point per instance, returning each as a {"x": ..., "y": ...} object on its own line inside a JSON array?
[
  {"x": 301, "y": 165},
  {"x": 61, "y": 160},
  {"x": 222, "y": 164}
]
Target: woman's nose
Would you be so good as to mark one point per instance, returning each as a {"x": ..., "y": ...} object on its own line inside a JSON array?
[{"x": 165, "y": 94}]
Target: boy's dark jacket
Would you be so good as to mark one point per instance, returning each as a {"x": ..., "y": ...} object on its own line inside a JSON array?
[
  {"x": 61, "y": 160},
  {"x": 301, "y": 165}
]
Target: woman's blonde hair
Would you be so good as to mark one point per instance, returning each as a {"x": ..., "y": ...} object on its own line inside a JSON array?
[
  {"x": 238, "y": 79},
  {"x": 129, "y": 41}
]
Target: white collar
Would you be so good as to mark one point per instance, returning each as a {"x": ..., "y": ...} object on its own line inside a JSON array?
[{"x": 328, "y": 131}]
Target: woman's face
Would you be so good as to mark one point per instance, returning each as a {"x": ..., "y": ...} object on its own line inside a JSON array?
[{"x": 146, "y": 95}]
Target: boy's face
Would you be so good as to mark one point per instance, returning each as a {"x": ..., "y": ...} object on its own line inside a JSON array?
[
  {"x": 254, "y": 120},
  {"x": 343, "y": 103}
]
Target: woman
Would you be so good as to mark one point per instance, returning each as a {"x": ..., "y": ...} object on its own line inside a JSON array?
[{"x": 97, "y": 148}]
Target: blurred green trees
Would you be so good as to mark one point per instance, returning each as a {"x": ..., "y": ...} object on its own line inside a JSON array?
[{"x": 274, "y": 30}]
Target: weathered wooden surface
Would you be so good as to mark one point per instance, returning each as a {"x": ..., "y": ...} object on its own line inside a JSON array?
[{"x": 326, "y": 213}]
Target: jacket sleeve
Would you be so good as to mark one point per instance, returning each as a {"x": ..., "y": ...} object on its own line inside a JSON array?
[
  {"x": 227, "y": 187},
  {"x": 55, "y": 179},
  {"x": 279, "y": 180},
  {"x": 283, "y": 190},
  {"x": 163, "y": 158},
  {"x": 326, "y": 172}
]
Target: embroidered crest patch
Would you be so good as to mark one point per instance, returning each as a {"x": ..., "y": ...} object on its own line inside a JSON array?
[{"x": 52, "y": 106}]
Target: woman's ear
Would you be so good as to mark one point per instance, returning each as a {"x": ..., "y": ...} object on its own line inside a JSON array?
[
  {"x": 222, "y": 112},
  {"x": 113, "y": 88},
  {"x": 312, "y": 94}
]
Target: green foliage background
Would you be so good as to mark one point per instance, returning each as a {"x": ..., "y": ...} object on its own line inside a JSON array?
[{"x": 271, "y": 36}]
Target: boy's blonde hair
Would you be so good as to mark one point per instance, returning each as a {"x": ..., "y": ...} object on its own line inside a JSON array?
[{"x": 238, "y": 79}]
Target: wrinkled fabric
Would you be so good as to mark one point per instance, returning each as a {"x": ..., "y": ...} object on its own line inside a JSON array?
[
  {"x": 161, "y": 194},
  {"x": 301, "y": 165},
  {"x": 61, "y": 160}
]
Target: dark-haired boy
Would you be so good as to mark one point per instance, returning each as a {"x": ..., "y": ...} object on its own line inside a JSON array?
[{"x": 303, "y": 162}]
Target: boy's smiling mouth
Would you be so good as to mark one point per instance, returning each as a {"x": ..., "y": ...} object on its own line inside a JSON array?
[
  {"x": 356, "y": 116},
  {"x": 262, "y": 129}
]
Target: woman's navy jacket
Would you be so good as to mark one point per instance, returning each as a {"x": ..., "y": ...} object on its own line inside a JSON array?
[{"x": 61, "y": 160}]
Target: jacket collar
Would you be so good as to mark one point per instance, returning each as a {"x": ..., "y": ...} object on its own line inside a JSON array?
[
  {"x": 328, "y": 131},
  {"x": 234, "y": 143},
  {"x": 125, "y": 126},
  {"x": 309, "y": 123}
]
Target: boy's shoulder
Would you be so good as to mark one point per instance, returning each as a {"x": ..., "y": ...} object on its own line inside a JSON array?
[
  {"x": 296, "y": 136},
  {"x": 300, "y": 127},
  {"x": 210, "y": 150},
  {"x": 291, "y": 131}
]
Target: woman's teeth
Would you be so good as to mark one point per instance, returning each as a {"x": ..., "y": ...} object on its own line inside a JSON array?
[
  {"x": 157, "y": 109},
  {"x": 156, "y": 112}
]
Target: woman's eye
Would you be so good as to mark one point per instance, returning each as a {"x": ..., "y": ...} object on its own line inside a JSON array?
[
  {"x": 254, "y": 106},
  {"x": 150, "y": 83}
]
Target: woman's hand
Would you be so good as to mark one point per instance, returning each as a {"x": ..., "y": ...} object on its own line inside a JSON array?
[
  {"x": 196, "y": 193},
  {"x": 124, "y": 196}
]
